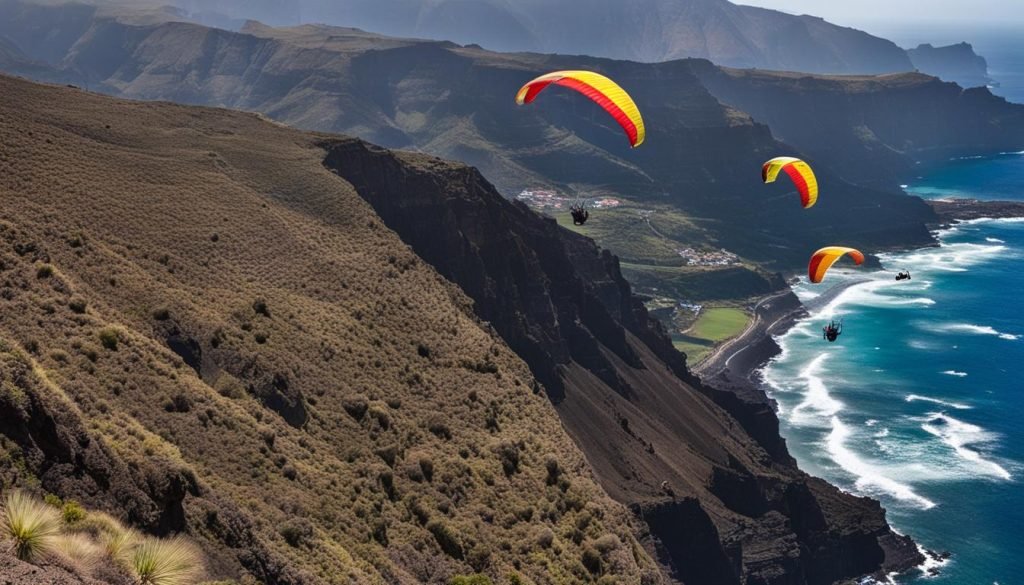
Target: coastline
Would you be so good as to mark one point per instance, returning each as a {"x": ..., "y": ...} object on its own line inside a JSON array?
[{"x": 737, "y": 364}]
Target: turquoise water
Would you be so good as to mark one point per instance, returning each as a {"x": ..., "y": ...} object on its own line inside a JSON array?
[
  {"x": 995, "y": 177},
  {"x": 921, "y": 402}
]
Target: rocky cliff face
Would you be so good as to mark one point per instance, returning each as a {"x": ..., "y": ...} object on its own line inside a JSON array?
[{"x": 735, "y": 509}]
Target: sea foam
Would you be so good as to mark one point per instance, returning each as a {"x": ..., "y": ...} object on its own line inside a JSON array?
[
  {"x": 869, "y": 477},
  {"x": 968, "y": 328},
  {"x": 958, "y": 435},
  {"x": 817, "y": 404},
  {"x": 956, "y": 405}
]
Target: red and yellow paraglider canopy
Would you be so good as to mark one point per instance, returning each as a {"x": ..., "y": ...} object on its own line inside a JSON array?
[
  {"x": 799, "y": 171},
  {"x": 605, "y": 92},
  {"x": 824, "y": 258}
]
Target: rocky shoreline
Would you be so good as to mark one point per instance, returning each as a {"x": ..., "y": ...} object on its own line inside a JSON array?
[
  {"x": 953, "y": 210},
  {"x": 735, "y": 368}
]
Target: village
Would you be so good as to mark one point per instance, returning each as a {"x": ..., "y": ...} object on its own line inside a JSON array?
[{"x": 549, "y": 200}]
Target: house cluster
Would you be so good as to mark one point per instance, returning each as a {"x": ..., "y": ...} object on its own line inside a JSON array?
[{"x": 705, "y": 258}]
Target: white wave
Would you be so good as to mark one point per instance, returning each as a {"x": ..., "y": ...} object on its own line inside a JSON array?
[
  {"x": 995, "y": 240},
  {"x": 992, "y": 220},
  {"x": 959, "y": 435},
  {"x": 882, "y": 433},
  {"x": 968, "y": 328},
  {"x": 956, "y": 405},
  {"x": 872, "y": 294},
  {"x": 869, "y": 477},
  {"x": 817, "y": 404},
  {"x": 954, "y": 372},
  {"x": 871, "y": 422},
  {"x": 932, "y": 562},
  {"x": 947, "y": 257}
]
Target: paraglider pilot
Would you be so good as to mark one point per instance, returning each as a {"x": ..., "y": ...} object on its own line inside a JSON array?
[
  {"x": 579, "y": 215},
  {"x": 832, "y": 331}
]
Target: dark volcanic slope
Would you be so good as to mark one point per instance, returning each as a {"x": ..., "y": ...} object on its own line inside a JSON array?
[
  {"x": 202, "y": 329},
  {"x": 455, "y": 102},
  {"x": 739, "y": 510}
]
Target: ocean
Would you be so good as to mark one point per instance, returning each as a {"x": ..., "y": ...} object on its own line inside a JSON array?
[{"x": 921, "y": 401}]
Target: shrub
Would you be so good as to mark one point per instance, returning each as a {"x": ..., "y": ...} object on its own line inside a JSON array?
[
  {"x": 31, "y": 525},
  {"x": 591, "y": 559},
  {"x": 471, "y": 580},
  {"x": 508, "y": 454},
  {"x": 297, "y": 532},
  {"x": 439, "y": 428},
  {"x": 260, "y": 307},
  {"x": 545, "y": 538},
  {"x": 165, "y": 562},
  {"x": 109, "y": 337},
  {"x": 446, "y": 538},
  {"x": 161, "y": 313},
  {"x": 355, "y": 406},
  {"x": 44, "y": 271},
  {"x": 73, "y": 512},
  {"x": 427, "y": 467},
  {"x": 78, "y": 305}
]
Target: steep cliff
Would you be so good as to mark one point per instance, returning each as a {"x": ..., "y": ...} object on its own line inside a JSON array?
[{"x": 736, "y": 509}]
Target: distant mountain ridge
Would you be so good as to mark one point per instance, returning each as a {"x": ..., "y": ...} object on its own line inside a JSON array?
[{"x": 726, "y": 33}]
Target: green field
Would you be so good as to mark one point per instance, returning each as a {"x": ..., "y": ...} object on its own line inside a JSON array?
[{"x": 714, "y": 326}]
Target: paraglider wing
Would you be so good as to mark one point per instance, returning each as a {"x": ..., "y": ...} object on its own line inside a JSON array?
[
  {"x": 799, "y": 172},
  {"x": 605, "y": 92},
  {"x": 824, "y": 258}
]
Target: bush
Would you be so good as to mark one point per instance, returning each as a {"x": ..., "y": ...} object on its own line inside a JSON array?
[
  {"x": 355, "y": 406},
  {"x": 591, "y": 560},
  {"x": 73, "y": 512},
  {"x": 260, "y": 307},
  {"x": 78, "y": 305},
  {"x": 109, "y": 337},
  {"x": 44, "y": 271},
  {"x": 545, "y": 538},
  {"x": 30, "y": 525},
  {"x": 471, "y": 580},
  {"x": 508, "y": 454},
  {"x": 297, "y": 532},
  {"x": 165, "y": 562},
  {"x": 446, "y": 538}
]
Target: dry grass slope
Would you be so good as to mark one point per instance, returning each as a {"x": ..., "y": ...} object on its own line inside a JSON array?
[{"x": 227, "y": 323}]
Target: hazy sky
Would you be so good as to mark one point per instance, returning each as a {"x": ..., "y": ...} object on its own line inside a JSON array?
[{"x": 856, "y": 12}]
